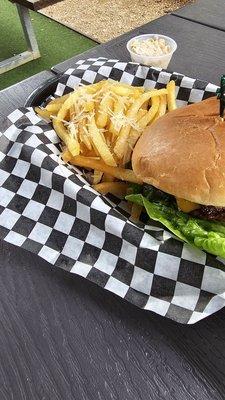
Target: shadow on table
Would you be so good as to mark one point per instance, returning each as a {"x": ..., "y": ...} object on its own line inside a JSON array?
[{"x": 64, "y": 313}]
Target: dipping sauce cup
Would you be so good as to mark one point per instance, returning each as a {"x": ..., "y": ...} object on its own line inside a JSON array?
[{"x": 154, "y": 59}]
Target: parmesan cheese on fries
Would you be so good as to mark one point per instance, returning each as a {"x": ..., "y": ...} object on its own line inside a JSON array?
[{"x": 99, "y": 125}]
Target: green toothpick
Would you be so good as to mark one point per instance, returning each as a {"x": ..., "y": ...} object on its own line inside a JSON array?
[{"x": 221, "y": 95}]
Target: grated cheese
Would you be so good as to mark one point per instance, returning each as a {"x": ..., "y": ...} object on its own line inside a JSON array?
[
  {"x": 73, "y": 130},
  {"x": 120, "y": 119}
]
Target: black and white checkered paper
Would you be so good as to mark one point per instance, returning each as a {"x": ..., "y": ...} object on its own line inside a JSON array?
[{"x": 50, "y": 210}]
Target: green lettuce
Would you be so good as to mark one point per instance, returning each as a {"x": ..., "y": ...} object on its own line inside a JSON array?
[{"x": 206, "y": 235}]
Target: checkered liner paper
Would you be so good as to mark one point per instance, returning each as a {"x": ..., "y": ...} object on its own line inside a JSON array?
[{"x": 50, "y": 210}]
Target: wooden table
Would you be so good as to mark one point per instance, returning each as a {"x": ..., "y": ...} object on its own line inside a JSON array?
[
  {"x": 35, "y": 5},
  {"x": 207, "y": 62},
  {"x": 32, "y": 52},
  {"x": 64, "y": 338},
  {"x": 207, "y": 12}
]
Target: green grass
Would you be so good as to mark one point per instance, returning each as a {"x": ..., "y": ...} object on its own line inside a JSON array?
[{"x": 56, "y": 43}]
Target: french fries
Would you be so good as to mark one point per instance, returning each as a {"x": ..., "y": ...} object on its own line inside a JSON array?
[
  {"x": 59, "y": 100},
  {"x": 108, "y": 178},
  {"x": 83, "y": 134},
  {"x": 99, "y": 125},
  {"x": 119, "y": 173},
  {"x": 120, "y": 104},
  {"x": 127, "y": 90},
  {"x": 99, "y": 142},
  {"x": 117, "y": 188},
  {"x": 149, "y": 116},
  {"x": 53, "y": 108},
  {"x": 120, "y": 147},
  {"x": 171, "y": 96},
  {"x": 97, "y": 176},
  {"x": 43, "y": 113},
  {"x": 162, "y": 107},
  {"x": 103, "y": 111},
  {"x": 136, "y": 210},
  {"x": 69, "y": 138}
]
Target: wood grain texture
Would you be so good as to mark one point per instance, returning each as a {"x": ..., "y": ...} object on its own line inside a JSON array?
[
  {"x": 200, "y": 52},
  {"x": 64, "y": 338},
  {"x": 35, "y": 4},
  {"x": 207, "y": 12}
]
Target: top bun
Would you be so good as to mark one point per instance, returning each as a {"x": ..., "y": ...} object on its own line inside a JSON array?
[{"x": 183, "y": 153}]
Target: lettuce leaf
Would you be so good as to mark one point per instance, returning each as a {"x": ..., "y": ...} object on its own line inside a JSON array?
[{"x": 206, "y": 235}]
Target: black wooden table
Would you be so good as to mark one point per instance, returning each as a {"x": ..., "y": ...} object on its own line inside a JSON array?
[
  {"x": 63, "y": 338},
  {"x": 200, "y": 51},
  {"x": 207, "y": 12}
]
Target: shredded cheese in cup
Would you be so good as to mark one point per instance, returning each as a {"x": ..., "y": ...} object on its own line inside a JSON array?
[{"x": 150, "y": 47}]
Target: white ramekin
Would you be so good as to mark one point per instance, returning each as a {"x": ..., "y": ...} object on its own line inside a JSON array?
[{"x": 161, "y": 61}]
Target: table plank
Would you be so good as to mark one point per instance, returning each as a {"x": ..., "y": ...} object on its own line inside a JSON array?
[
  {"x": 16, "y": 95},
  {"x": 207, "y": 12},
  {"x": 35, "y": 4},
  {"x": 200, "y": 52},
  {"x": 65, "y": 338}
]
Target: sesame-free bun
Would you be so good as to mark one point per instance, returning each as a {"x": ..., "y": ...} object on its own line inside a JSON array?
[{"x": 183, "y": 153}]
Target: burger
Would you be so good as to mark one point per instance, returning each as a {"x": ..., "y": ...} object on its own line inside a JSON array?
[{"x": 180, "y": 159}]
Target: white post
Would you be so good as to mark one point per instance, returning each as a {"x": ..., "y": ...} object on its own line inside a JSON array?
[
  {"x": 32, "y": 52},
  {"x": 28, "y": 29}
]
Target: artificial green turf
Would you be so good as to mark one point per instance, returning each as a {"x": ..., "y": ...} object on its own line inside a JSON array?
[{"x": 56, "y": 43}]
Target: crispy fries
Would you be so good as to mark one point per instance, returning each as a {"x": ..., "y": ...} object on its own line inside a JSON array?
[
  {"x": 103, "y": 111},
  {"x": 119, "y": 173},
  {"x": 117, "y": 188},
  {"x": 97, "y": 176},
  {"x": 99, "y": 125},
  {"x": 120, "y": 147},
  {"x": 171, "y": 96},
  {"x": 149, "y": 116},
  {"x": 69, "y": 138},
  {"x": 98, "y": 141},
  {"x": 108, "y": 178},
  {"x": 136, "y": 211},
  {"x": 59, "y": 100},
  {"x": 53, "y": 108},
  {"x": 43, "y": 113},
  {"x": 162, "y": 107},
  {"x": 83, "y": 133},
  {"x": 126, "y": 90},
  {"x": 120, "y": 104}
]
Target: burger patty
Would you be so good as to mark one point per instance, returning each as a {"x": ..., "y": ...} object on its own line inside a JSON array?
[
  {"x": 210, "y": 213},
  {"x": 203, "y": 212}
]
